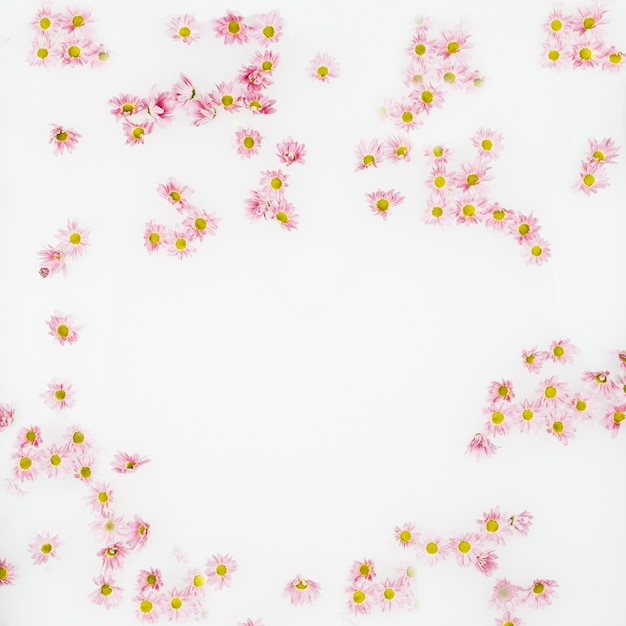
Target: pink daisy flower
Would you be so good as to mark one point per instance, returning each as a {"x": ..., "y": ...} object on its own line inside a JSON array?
[
  {"x": 126, "y": 105},
  {"x": 232, "y": 28},
  {"x": 7, "y": 413},
  {"x": 202, "y": 110},
  {"x": 382, "y": 201},
  {"x": 552, "y": 392},
  {"x": 76, "y": 51},
  {"x": 29, "y": 437},
  {"x": 43, "y": 547},
  {"x": 500, "y": 391},
  {"x": 499, "y": 419},
  {"x": 180, "y": 604},
  {"x": 362, "y": 570},
  {"x": 472, "y": 177},
  {"x": 539, "y": 252},
  {"x": 56, "y": 460},
  {"x": 52, "y": 261},
  {"x": 183, "y": 28},
  {"x": 360, "y": 597},
  {"x": 561, "y": 425},
  {"x": 76, "y": 440},
  {"x": 196, "y": 582},
  {"x": 587, "y": 53},
  {"x": 45, "y": 21},
  {"x": 220, "y": 568},
  {"x": 592, "y": 178},
  {"x": 290, "y": 151},
  {"x": 613, "y": 418},
  {"x": 63, "y": 139},
  {"x": 534, "y": 359},
  {"x": 508, "y": 620},
  {"x": 100, "y": 497},
  {"x": 497, "y": 217},
  {"x": 474, "y": 80},
  {"x": 179, "y": 244},
  {"x": 247, "y": 141},
  {"x": 273, "y": 182},
  {"x": 557, "y": 23},
  {"x": 613, "y": 59},
  {"x": 427, "y": 97},
  {"x": 323, "y": 67},
  {"x": 438, "y": 154},
  {"x": 587, "y": 19},
  {"x": 160, "y": 106},
  {"x": 26, "y": 464},
  {"x": 369, "y": 154},
  {"x": 259, "y": 104},
  {"x": 599, "y": 383},
  {"x": 200, "y": 223},
  {"x": 59, "y": 395},
  {"x": 137, "y": 533},
  {"x": 266, "y": 61},
  {"x": 562, "y": 351},
  {"x": 438, "y": 180},
  {"x": 106, "y": 592},
  {"x": 62, "y": 328},
  {"x": 431, "y": 549},
  {"x": 465, "y": 548},
  {"x": 154, "y": 236},
  {"x": 554, "y": 54},
  {"x": 416, "y": 74},
  {"x": 135, "y": 132},
  {"x": 113, "y": 556},
  {"x": 605, "y": 151},
  {"x": 422, "y": 49},
  {"x": 74, "y": 239},
  {"x": 267, "y": 28},
  {"x": 489, "y": 143},
  {"x": 43, "y": 52},
  {"x": 505, "y": 595},
  {"x": 7, "y": 573},
  {"x": 149, "y": 580},
  {"x": 253, "y": 80},
  {"x": 175, "y": 193},
  {"x": 437, "y": 211},
  {"x": 541, "y": 592},
  {"x": 301, "y": 591},
  {"x": 405, "y": 535},
  {"x": 454, "y": 43},
  {"x": 283, "y": 212},
  {"x": 494, "y": 526},
  {"x": 486, "y": 562},
  {"x": 257, "y": 205},
  {"x": 392, "y": 594},
  {"x": 524, "y": 228},
  {"x": 469, "y": 210},
  {"x": 183, "y": 91},
  {"x": 147, "y": 607},
  {"x": 583, "y": 406},
  {"x": 101, "y": 54},
  {"x": 76, "y": 21},
  {"x": 107, "y": 528},
  {"x": 405, "y": 115},
  {"x": 83, "y": 467},
  {"x": 452, "y": 73},
  {"x": 527, "y": 412},
  {"x": 481, "y": 447},
  {"x": 397, "y": 148}
]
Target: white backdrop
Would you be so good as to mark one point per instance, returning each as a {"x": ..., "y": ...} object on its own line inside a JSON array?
[{"x": 301, "y": 393}]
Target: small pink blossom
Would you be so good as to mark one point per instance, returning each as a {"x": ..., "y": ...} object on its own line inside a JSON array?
[
  {"x": 613, "y": 418},
  {"x": 586, "y": 20},
  {"x": 76, "y": 51},
  {"x": 500, "y": 418},
  {"x": 273, "y": 182},
  {"x": 494, "y": 526},
  {"x": 454, "y": 43},
  {"x": 601, "y": 152},
  {"x": 369, "y": 154},
  {"x": 232, "y": 27},
  {"x": 500, "y": 391},
  {"x": 422, "y": 50},
  {"x": 220, "y": 568},
  {"x": 183, "y": 28},
  {"x": 405, "y": 115},
  {"x": 101, "y": 55},
  {"x": 180, "y": 604},
  {"x": 591, "y": 178},
  {"x": 552, "y": 392},
  {"x": 179, "y": 244},
  {"x": 136, "y": 131},
  {"x": 247, "y": 141},
  {"x": 438, "y": 154},
  {"x": 266, "y": 61},
  {"x": 175, "y": 193},
  {"x": 149, "y": 580},
  {"x": 76, "y": 21},
  {"x": 538, "y": 252},
  {"x": 183, "y": 91},
  {"x": 497, "y": 217},
  {"x": 437, "y": 211},
  {"x": 541, "y": 592},
  {"x": 431, "y": 548},
  {"x": 397, "y": 148},
  {"x": 76, "y": 440},
  {"x": 599, "y": 383},
  {"x": 43, "y": 52},
  {"x": 43, "y": 548},
  {"x": 323, "y": 67},
  {"x": 587, "y": 53},
  {"x": 250, "y": 622},
  {"x": 160, "y": 106},
  {"x": 505, "y": 595},
  {"x": 202, "y": 109},
  {"x": 7, "y": 573},
  {"x": 83, "y": 467},
  {"x": 148, "y": 606},
  {"x": 361, "y": 597},
  {"x": 527, "y": 413},
  {"x": 267, "y": 28},
  {"x": 557, "y": 24},
  {"x": 257, "y": 205},
  {"x": 258, "y": 104},
  {"x": 486, "y": 562},
  {"x": 63, "y": 139},
  {"x": 56, "y": 460},
  {"x": 196, "y": 582},
  {"x": 301, "y": 591},
  {"x": 126, "y": 105},
  {"x": 62, "y": 328},
  {"x": 562, "y": 351},
  {"x": 427, "y": 97},
  {"x": 284, "y": 213},
  {"x": 290, "y": 151},
  {"x": 481, "y": 447},
  {"x": 525, "y": 228},
  {"x": 406, "y": 535},
  {"x": 561, "y": 425},
  {"x": 392, "y": 594},
  {"x": 107, "y": 528},
  {"x": 137, "y": 533},
  {"x": 106, "y": 592},
  {"x": 554, "y": 54},
  {"x": 7, "y": 413},
  {"x": 52, "y": 261},
  {"x": 73, "y": 238},
  {"x": 154, "y": 236},
  {"x": 472, "y": 177},
  {"x": 438, "y": 180},
  {"x": 489, "y": 143},
  {"x": 45, "y": 21},
  {"x": 582, "y": 405},
  {"x": 29, "y": 437},
  {"x": 469, "y": 210},
  {"x": 113, "y": 556},
  {"x": 381, "y": 202},
  {"x": 100, "y": 497},
  {"x": 26, "y": 464},
  {"x": 199, "y": 223},
  {"x": 465, "y": 548},
  {"x": 533, "y": 359},
  {"x": 613, "y": 59},
  {"x": 362, "y": 570}
]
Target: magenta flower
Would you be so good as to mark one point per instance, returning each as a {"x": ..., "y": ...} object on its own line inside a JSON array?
[
  {"x": 541, "y": 592},
  {"x": 179, "y": 245},
  {"x": 29, "y": 438},
  {"x": 323, "y": 67},
  {"x": 592, "y": 178},
  {"x": 148, "y": 606},
  {"x": 160, "y": 106},
  {"x": 124, "y": 463},
  {"x": 431, "y": 548},
  {"x": 232, "y": 27},
  {"x": 505, "y": 595},
  {"x": 465, "y": 548},
  {"x": 290, "y": 151},
  {"x": 43, "y": 548},
  {"x": 494, "y": 526},
  {"x": 126, "y": 105},
  {"x": 7, "y": 413},
  {"x": 149, "y": 580},
  {"x": 62, "y": 328},
  {"x": 74, "y": 239},
  {"x": 135, "y": 132},
  {"x": 137, "y": 533},
  {"x": 397, "y": 148},
  {"x": 369, "y": 154},
  {"x": 63, "y": 139},
  {"x": 392, "y": 594},
  {"x": 534, "y": 359},
  {"x": 361, "y": 596},
  {"x": 561, "y": 425},
  {"x": 7, "y": 573},
  {"x": 381, "y": 202},
  {"x": 613, "y": 418},
  {"x": 220, "y": 568},
  {"x": 56, "y": 459},
  {"x": 481, "y": 447},
  {"x": 247, "y": 141},
  {"x": 562, "y": 351},
  {"x": 183, "y": 28},
  {"x": 267, "y": 28},
  {"x": 301, "y": 591},
  {"x": 106, "y": 592},
  {"x": 283, "y": 212}
]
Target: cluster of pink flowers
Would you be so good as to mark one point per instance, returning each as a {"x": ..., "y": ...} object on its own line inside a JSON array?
[
  {"x": 196, "y": 225},
  {"x": 7, "y": 416},
  {"x": 555, "y": 407},
  {"x": 463, "y": 195},
  {"x": 66, "y": 37},
  {"x": 268, "y": 200},
  {"x": 592, "y": 175},
  {"x": 506, "y": 597},
  {"x": 71, "y": 242},
  {"x": 579, "y": 40}
]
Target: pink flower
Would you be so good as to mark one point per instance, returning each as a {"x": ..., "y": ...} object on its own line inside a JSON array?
[
  {"x": 557, "y": 23},
  {"x": 601, "y": 152},
  {"x": 500, "y": 391},
  {"x": 381, "y": 202},
  {"x": 135, "y": 132},
  {"x": 183, "y": 28},
  {"x": 59, "y": 395},
  {"x": 599, "y": 383},
  {"x": 362, "y": 570},
  {"x": 431, "y": 549},
  {"x": 587, "y": 53},
  {"x": 7, "y": 573},
  {"x": 438, "y": 180},
  {"x": 43, "y": 547},
  {"x": 232, "y": 28},
  {"x": 73, "y": 238},
  {"x": 438, "y": 154},
  {"x": 43, "y": 52},
  {"x": 437, "y": 211},
  {"x": 613, "y": 418},
  {"x": 29, "y": 438},
  {"x": 486, "y": 562},
  {"x": 45, "y": 21},
  {"x": 62, "y": 328},
  {"x": 472, "y": 177},
  {"x": 489, "y": 143},
  {"x": 257, "y": 205},
  {"x": 392, "y": 594},
  {"x": 494, "y": 526},
  {"x": 497, "y": 217},
  {"x": 126, "y": 105},
  {"x": 466, "y": 547},
  {"x": 469, "y": 210},
  {"x": 183, "y": 91},
  {"x": 505, "y": 596},
  {"x": 76, "y": 51},
  {"x": 538, "y": 252},
  {"x": 106, "y": 592},
  {"x": 284, "y": 213},
  {"x": 405, "y": 535},
  {"x": 541, "y": 592},
  {"x": 200, "y": 223},
  {"x": 250, "y": 622},
  {"x": 258, "y": 104},
  {"x": 137, "y": 533},
  {"x": 582, "y": 405},
  {"x": 160, "y": 106},
  {"x": 247, "y": 141},
  {"x": 83, "y": 467},
  {"x": 405, "y": 115},
  {"x": 26, "y": 464},
  {"x": 180, "y": 604},
  {"x": 452, "y": 73},
  {"x": 422, "y": 50},
  {"x": 323, "y": 67},
  {"x": 175, "y": 193},
  {"x": 527, "y": 412},
  {"x": 56, "y": 459},
  {"x": 561, "y": 425},
  {"x": 592, "y": 178},
  {"x": 613, "y": 59},
  {"x": 368, "y": 154},
  {"x": 253, "y": 80},
  {"x": 147, "y": 607},
  {"x": 202, "y": 110},
  {"x": 7, "y": 413},
  {"x": 273, "y": 182},
  {"x": 552, "y": 392},
  {"x": 112, "y": 556},
  {"x": 52, "y": 261},
  {"x": 267, "y": 28},
  {"x": 301, "y": 591},
  {"x": 179, "y": 244},
  {"x": 76, "y": 21},
  {"x": 508, "y": 620},
  {"x": 290, "y": 151},
  {"x": 524, "y": 228},
  {"x": 220, "y": 568},
  {"x": 149, "y": 580},
  {"x": 397, "y": 148},
  {"x": 562, "y": 351},
  {"x": 100, "y": 497},
  {"x": 481, "y": 447},
  {"x": 427, "y": 97},
  {"x": 108, "y": 527},
  {"x": 101, "y": 55},
  {"x": 63, "y": 139},
  {"x": 454, "y": 43},
  {"x": 500, "y": 419},
  {"x": 587, "y": 19},
  {"x": 154, "y": 236},
  {"x": 196, "y": 582},
  {"x": 554, "y": 54},
  {"x": 534, "y": 359},
  {"x": 266, "y": 61},
  {"x": 360, "y": 597},
  {"x": 76, "y": 440}
]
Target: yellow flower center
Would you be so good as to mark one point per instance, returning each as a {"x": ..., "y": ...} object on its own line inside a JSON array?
[
  {"x": 302, "y": 585},
  {"x": 78, "y": 437},
  {"x": 599, "y": 155},
  {"x": 405, "y": 536},
  {"x": 103, "y": 56},
  {"x": 128, "y": 107},
  {"x": 427, "y": 97},
  {"x": 536, "y": 250},
  {"x": 282, "y": 217},
  {"x": 411, "y": 571},
  {"x": 472, "y": 179},
  {"x": 233, "y": 27},
  {"x": 523, "y": 229},
  {"x": 589, "y": 22},
  {"x": 25, "y": 463},
  {"x": 198, "y": 580},
  {"x": 615, "y": 58},
  {"x": 402, "y": 151},
  {"x": 45, "y": 23},
  {"x": 538, "y": 588},
  {"x": 62, "y": 136},
  {"x": 358, "y": 597},
  {"x": 227, "y": 100},
  {"x": 389, "y": 593},
  {"x": 184, "y": 32},
  {"x": 497, "y": 417},
  {"x": 382, "y": 204},
  {"x": 618, "y": 416},
  {"x": 492, "y": 526},
  {"x": 527, "y": 415},
  {"x": 31, "y": 435},
  {"x": 322, "y": 70},
  {"x": 438, "y": 151},
  {"x": 200, "y": 223},
  {"x": 4, "y": 573},
  {"x": 432, "y": 548},
  {"x": 221, "y": 570},
  {"x": 106, "y": 590},
  {"x": 589, "y": 179},
  {"x": 585, "y": 54},
  {"x": 267, "y": 66},
  {"x": 131, "y": 464},
  {"x": 407, "y": 117},
  {"x": 112, "y": 552},
  {"x": 255, "y": 104},
  {"x": 180, "y": 244},
  {"x": 151, "y": 579},
  {"x": 77, "y": 21},
  {"x": 85, "y": 472},
  {"x": 581, "y": 405},
  {"x": 436, "y": 211},
  {"x": 601, "y": 378},
  {"x": 556, "y": 25},
  {"x": 486, "y": 144},
  {"x": 55, "y": 460},
  {"x": 145, "y": 606},
  {"x": 75, "y": 239},
  {"x": 453, "y": 47},
  {"x": 465, "y": 547},
  {"x": 469, "y": 210},
  {"x": 103, "y": 497},
  {"x": 420, "y": 49},
  {"x": 558, "y": 352},
  {"x": 142, "y": 530},
  {"x": 269, "y": 31},
  {"x": 248, "y": 142},
  {"x": 46, "y": 548},
  {"x": 74, "y": 52},
  {"x": 449, "y": 77},
  {"x": 499, "y": 215},
  {"x": 503, "y": 391},
  {"x": 276, "y": 183},
  {"x": 550, "y": 391},
  {"x": 42, "y": 53},
  {"x": 368, "y": 160},
  {"x": 554, "y": 55},
  {"x": 63, "y": 330},
  {"x": 508, "y": 624},
  {"x": 109, "y": 525},
  {"x": 439, "y": 182},
  {"x": 138, "y": 132},
  {"x": 478, "y": 82},
  {"x": 154, "y": 238},
  {"x": 364, "y": 570},
  {"x": 176, "y": 603},
  {"x": 557, "y": 427},
  {"x": 530, "y": 358}
]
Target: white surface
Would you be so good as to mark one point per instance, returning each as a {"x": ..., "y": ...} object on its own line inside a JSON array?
[{"x": 302, "y": 393}]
